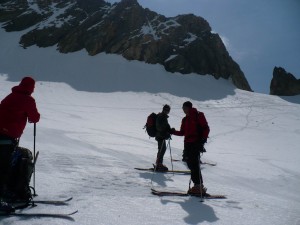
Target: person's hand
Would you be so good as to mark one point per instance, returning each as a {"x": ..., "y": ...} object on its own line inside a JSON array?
[{"x": 172, "y": 131}]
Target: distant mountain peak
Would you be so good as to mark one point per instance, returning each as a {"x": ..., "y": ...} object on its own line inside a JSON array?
[
  {"x": 284, "y": 83},
  {"x": 182, "y": 44}
]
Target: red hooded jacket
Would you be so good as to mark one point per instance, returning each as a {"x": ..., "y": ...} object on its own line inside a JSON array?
[
  {"x": 194, "y": 127},
  {"x": 17, "y": 108}
]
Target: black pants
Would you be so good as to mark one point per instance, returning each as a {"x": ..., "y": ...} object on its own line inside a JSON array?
[
  {"x": 161, "y": 150},
  {"x": 191, "y": 155}
]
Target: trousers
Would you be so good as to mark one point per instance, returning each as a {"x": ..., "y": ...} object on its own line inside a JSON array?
[{"x": 191, "y": 156}]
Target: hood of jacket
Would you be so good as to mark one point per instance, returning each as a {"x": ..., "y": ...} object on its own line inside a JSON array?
[{"x": 26, "y": 86}]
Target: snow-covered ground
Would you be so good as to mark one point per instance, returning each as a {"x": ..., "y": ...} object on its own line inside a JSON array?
[
  {"x": 89, "y": 144},
  {"x": 90, "y": 138}
]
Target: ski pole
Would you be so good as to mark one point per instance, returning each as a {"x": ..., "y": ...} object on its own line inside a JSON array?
[
  {"x": 34, "y": 137},
  {"x": 171, "y": 156},
  {"x": 201, "y": 179}
]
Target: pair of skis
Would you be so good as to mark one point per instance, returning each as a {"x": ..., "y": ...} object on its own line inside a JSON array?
[
  {"x": 168, "y": 171},
  {"x": 33, "y": 203},
  {"x": 67, "y": 216},
  {"x": 201, "y": 163},
  {"x": 185, "y": 194},
  {"x": 174, "y": 171},
  {"x": 48, "y": 202},
  {"x": 180, "y": 193}
]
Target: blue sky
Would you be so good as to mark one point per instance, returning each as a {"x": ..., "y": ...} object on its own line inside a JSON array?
[{"x": 259, "y": 34}]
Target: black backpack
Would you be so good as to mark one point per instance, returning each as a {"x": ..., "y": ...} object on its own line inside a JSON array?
[
  {"x": 151, "y": 125},
  {"x": 21, "y": 170}
]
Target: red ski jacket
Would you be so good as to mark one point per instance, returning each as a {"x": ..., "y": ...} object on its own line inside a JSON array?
[
  {"x": 17, "y": 108},
  {"x": 194, "y": 127}
]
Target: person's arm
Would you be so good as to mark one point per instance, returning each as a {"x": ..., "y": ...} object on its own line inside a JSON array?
[
  {"x": 32, "y": 112},
  {"x": 181, "y": 131}
]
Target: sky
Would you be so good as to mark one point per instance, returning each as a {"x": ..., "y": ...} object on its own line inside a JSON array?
[{"x": 258, "y": 34}]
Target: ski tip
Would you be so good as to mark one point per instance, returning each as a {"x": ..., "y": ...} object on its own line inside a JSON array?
[
  {"x": 215, "y": 197},
  {"x": 155, "y": 191},
  {"x": 68, "y": 199},
  {"x": 72, "y": 213}
]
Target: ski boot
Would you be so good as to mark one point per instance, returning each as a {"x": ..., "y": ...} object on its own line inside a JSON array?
[
  {"x": 198, "y": 189},
  {"x": 160, "y": 167}
]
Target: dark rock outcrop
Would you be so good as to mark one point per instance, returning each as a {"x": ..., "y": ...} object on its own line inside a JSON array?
[
  {"x": 182, "y": 44},
  {"x": 284, "y": 83}
]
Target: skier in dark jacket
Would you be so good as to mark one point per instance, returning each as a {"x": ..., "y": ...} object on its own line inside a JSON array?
[
  {"x": 195, "y": 130},
  {"x": 162, "y": 134},
  {"x": 15, "y": 110}
]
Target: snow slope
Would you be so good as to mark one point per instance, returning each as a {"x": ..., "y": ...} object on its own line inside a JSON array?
[
  {"x": 100, "y": 73},
  {"x": 89, "y": 144}
]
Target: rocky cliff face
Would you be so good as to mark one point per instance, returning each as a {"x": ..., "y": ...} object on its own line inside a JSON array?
[
  {"x": 284, "y": 83},
  {"x": 182, "y": 44}
]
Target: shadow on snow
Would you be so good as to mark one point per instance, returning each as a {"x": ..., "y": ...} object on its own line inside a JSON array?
[{"x": 113, "y": 73}]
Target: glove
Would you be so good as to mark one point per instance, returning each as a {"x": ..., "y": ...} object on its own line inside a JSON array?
[{"x": 172, "y": 131}]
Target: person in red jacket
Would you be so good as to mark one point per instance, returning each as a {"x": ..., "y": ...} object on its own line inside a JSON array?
[
  {"x": 195, "y": 130},
  {"x": 15, "y": 110}
]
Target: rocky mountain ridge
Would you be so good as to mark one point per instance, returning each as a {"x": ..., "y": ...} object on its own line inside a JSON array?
[
  {"x": 284, "y": 83},
  {"x": 184, "y": 43}
]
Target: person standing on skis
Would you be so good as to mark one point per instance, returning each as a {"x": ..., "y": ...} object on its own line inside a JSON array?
[
  {"x": 15, "y": 110},
  {"x": 163, "y": 130},
  {"x": 195, "y": 130}
]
